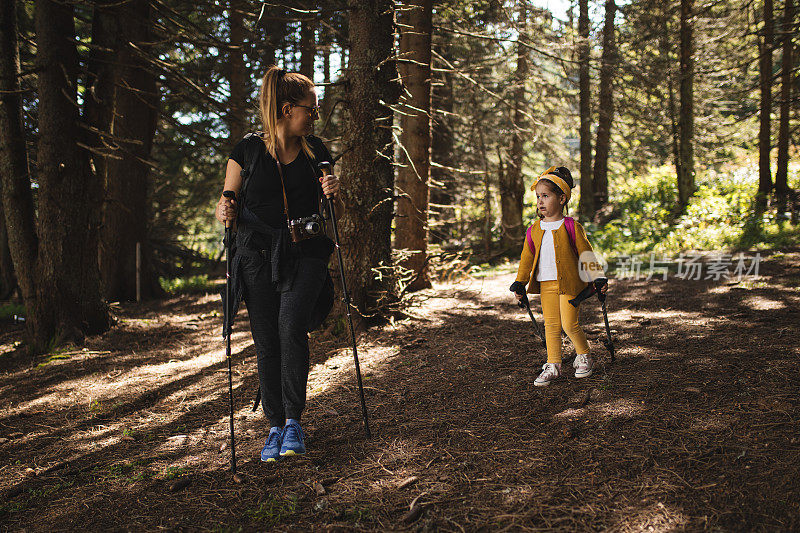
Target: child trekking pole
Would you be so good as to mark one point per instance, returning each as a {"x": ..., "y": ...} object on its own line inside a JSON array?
[
  {"x": 325, "y": 167},
  {"x": 592, "y": 288},
  {"x": 608, "y": 341},
  {"x": 227, "y": 326},
  {"x": 525, "y": 303}
]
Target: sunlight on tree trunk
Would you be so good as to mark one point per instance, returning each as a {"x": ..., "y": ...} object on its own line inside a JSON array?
[{"x": 411, "y": 224}]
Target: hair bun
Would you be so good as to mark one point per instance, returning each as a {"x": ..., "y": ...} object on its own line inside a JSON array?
[{"x": 566, "y": 175}]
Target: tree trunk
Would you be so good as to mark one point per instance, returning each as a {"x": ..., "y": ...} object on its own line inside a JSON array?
[
  {"x": 18, "y": 217},
  {"x": 487, "y": 190},
  {"x": 367, "y": 165},
  {"x": 586, "y": 204},
  {"x": 411, "y": 224},
  {"x": 782, "y": 170},
  {"x": 605, "y": 108},
  {"x": 512, "y": 190},
  {"x": 328, "y": 99},
  {"x": 67, "y": 303},
  {"x": 8, "y": 281},
  {"x": 103, "y": 72},
  {"x": 442, "y": 149},
  {"x": 308, "y": 47},
  {"x": 765, "y": 107},
  {"x": 686, "y": 186},
  {"x": 274, "y": 27},
  {"x": 237, "y": 75},
  {"x": 125, "y": 212},
  {"x": 665, "y": 50}
]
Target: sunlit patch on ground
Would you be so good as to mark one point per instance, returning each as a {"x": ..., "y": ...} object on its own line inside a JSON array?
[{"x": 657, "y": 518}]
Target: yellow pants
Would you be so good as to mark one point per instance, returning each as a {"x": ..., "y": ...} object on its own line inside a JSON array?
[{"x": 559, "y": 313}]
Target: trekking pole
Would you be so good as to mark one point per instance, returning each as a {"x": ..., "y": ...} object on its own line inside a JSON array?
[
  {"x": 325, "y": 167},
  {"x": 227, "y": 320},
  {"x": 608, "y": 341},
  {"x": 525, "y": 303},
  {"x": 594, "y": 288}
]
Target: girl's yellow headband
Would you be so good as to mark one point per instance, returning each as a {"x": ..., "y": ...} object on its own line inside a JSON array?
[{"x": 546, "y": 175}]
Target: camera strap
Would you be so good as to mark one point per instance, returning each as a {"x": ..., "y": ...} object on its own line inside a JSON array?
[{"x": 283, "y": 190}]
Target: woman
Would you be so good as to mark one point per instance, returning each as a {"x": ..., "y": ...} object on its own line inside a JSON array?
[{"x": 282, "y": 276}]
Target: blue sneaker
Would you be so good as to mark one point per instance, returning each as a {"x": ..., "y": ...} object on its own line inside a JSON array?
[
  {"x": 292, "y": 439},
  {"x": 272, "y": 448}
]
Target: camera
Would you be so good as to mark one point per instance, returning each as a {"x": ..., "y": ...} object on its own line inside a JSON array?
[{"x": 305, "y": 228}]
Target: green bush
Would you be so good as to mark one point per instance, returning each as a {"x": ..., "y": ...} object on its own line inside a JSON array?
[
  {"x": 720, "y": 216},
  {"x": 188, "y": 284}
]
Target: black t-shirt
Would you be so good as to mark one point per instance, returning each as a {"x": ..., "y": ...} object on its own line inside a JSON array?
[{"x": 303, "y": 189}]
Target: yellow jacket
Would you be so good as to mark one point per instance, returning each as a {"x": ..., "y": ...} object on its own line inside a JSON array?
[{"x": 569, "y": 281}]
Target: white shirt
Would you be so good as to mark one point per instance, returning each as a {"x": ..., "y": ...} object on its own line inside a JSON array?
[{"x": 547, "y": 255}]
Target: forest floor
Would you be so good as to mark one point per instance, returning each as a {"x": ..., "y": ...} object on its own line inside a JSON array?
[{"x": 696, "y": 426}]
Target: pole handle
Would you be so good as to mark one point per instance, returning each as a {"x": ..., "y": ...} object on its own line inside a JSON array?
[{"x": 232, "y": 196}]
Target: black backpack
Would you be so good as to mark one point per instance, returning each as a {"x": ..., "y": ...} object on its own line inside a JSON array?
[{"x": 254, "y": 150}]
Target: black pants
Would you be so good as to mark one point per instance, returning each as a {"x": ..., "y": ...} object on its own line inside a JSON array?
[{"x": 279, "y": 322}]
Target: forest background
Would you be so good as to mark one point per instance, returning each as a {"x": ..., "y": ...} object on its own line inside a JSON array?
[{"x": 678, "y": 119}]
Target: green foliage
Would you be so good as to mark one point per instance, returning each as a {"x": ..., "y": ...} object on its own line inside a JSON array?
[
  {"x": 720, "y": 216},
  {"x": 357, "y": 514},
  {"x": 22, "y": 502},
  {"x": 54, "y": 352},
  {"x": 8, "y": 508},
  {"x": 273, "y": 510},
  {"x": 9, "y": 309},
  {"x": 173, "y": 472},
  {"x": 128, "y": 472},
  {"x": 488, "y": 270},
  {"x": 188, "y": 284}
]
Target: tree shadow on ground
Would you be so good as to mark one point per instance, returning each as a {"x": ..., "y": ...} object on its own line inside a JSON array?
[{"x": 691, "y": 428}]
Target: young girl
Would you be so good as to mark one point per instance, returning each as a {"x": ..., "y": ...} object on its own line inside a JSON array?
[{"x": 550, "y": 266}]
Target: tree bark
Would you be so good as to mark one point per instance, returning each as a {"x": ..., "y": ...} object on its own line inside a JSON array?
[
  {"x": 606, "y": 108},
  {"x": 308, "y": 47},
  {"x": 442, "y": 148},
  {"x": 237, "y": 75},
  {"x": 782, "y": 170},
  {"x": 512, "y": 190},
  {"x": 329, "y": 98},
  {"x": 8, "y": 281},
  {"x": 411, "y": 224},
  {"x": 103, "y": 72},
  {"x": 665, "y": 49},
  {"x": 367, "y": 164},
  {"x": 586, "y": 203},
  {"x": 765, "y": 106},
  {"x": 686, "y": 185},
  {"x": 274, "y": 27},
  {"x": 125, "y": 212},
  {"x": 18, "y": 219},
  {"x": 67, "y": 303},
  {"x": 487, "y": 190}
]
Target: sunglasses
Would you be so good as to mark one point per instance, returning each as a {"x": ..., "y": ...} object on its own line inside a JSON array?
[{"x": 313, "y": 110}]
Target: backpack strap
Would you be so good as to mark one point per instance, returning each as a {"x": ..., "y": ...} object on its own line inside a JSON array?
[
  {"x": 251, "y": 153},
  {"x": 569, "y": 223},
  {"x": 529, "y": 240}
]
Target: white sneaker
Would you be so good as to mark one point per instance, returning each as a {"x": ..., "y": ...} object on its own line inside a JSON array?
[
  {"x": 550, "y": 371},
  {"x": 584, "y": 366}
]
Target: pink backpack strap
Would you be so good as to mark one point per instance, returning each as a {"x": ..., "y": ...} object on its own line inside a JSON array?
[
  {"x": 569, "y": 223},
  {"x": 529, "y": 240}
]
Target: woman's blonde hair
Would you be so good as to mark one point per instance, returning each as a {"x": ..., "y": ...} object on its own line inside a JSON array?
[{"x": 277, "y": 88}]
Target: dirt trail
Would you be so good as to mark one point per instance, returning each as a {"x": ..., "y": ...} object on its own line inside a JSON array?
[{"x": 694, "y": 427}]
